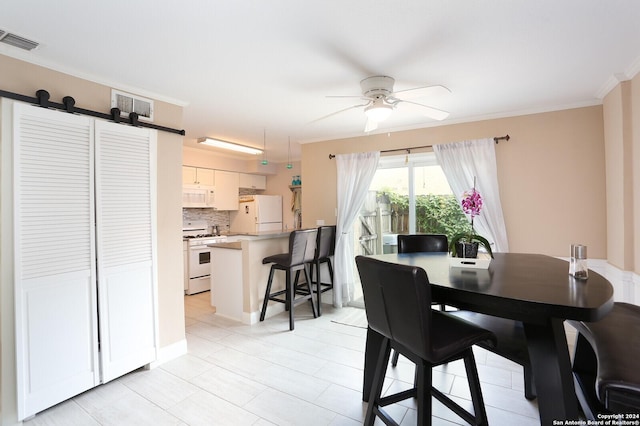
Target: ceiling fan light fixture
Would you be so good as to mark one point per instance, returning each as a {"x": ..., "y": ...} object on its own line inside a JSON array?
[
  {"x": 378, "y": 111},
  {"x": 218, "y": 143}
]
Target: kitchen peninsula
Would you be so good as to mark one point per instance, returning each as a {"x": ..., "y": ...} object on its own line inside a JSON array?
[{"x": 238, "y": 276}]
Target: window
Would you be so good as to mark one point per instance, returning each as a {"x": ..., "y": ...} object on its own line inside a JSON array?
[{"x": 408, "y": 195}]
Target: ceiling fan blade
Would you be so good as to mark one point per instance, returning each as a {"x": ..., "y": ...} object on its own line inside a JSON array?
[
  {"x": 346, "y": 96},
  {"x": 370, "y": 126},
  {"x": 340, "y": 54},
  {"x": 337, "y": 112},
  {"x": 422, "y": 92},
  {"x": 435, "y": 113}
]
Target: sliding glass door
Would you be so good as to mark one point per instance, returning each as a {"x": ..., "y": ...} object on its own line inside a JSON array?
[{"x": 408, "y": 195}]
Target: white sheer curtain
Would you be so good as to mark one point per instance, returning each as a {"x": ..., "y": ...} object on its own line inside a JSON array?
[
  {"x": 460, "y": 162},
  {"x": 355, "y": 173}
]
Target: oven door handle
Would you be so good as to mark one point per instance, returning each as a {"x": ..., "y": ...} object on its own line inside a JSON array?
[{"x": 199, "y": 247}]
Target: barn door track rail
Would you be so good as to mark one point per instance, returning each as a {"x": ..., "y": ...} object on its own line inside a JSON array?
[{"x": 68, "y": 105}]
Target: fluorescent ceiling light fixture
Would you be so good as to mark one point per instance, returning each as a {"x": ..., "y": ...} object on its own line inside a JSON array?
[
  {"x": 217, "y": 143},
  {"x": 378, "y": 111}
]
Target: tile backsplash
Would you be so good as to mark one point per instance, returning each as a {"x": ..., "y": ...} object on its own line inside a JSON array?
[{"x": 213, "y": 217}]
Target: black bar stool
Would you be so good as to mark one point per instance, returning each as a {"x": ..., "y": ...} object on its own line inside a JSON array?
[
  {"x": 397, "y": 300},
  {"x": 325, "y": 248},
  {"x": 302, "y": 245}
]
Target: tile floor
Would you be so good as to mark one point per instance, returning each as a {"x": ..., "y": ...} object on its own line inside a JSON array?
[{"x": 265, "y": 375}]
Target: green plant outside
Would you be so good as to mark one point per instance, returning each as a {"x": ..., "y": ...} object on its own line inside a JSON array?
[{"x": 435, "y": 214}]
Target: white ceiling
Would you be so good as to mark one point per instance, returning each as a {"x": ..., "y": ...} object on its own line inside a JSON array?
[{"x": 248, "y": 66}]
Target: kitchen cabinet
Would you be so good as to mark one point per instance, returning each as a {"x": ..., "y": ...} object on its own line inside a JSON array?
[
  {"x": 250, "y": 181},
  {"x": 85, "y": 257},
  {"x": 226, "y": 190},
  {"x": 196, "y": 177}
]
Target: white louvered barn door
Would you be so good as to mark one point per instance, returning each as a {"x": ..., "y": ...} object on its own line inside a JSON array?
[
  {"x": 125, "y": 216},
  {"x": 54, "y": 267}
]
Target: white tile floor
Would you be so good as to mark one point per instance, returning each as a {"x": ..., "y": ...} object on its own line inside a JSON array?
[{"x": 264, "y": 374}]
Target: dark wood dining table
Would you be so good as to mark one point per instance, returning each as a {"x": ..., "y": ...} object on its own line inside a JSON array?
[{"x": 532, "y": 288}]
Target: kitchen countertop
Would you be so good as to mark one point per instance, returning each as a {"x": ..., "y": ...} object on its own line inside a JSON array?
[
  {"x": 234, "y": 245},
  {"x": 261, "y": 235},
  {"x": 236, "y": 239}
]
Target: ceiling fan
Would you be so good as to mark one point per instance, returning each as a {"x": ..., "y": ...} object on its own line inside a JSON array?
[{"x": 381, "y": 100}]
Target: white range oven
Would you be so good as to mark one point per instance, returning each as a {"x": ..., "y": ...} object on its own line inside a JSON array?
[{"x": 198, "y": 235}]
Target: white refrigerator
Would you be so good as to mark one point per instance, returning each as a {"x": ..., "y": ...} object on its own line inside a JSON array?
[{"x": 257, "y": 213}]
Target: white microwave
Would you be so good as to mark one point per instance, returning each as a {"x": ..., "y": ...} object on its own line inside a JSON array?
[{"x": 198, "y": 197}]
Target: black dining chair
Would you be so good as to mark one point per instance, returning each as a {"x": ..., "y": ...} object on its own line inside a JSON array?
[
  {"x": 605, "y": 364},
  {"x": 397, "y": 300},
  {"x": 325, "y": 248},
  {"x": 416, "y": 243},
  {"x": 302, "y": 244}
]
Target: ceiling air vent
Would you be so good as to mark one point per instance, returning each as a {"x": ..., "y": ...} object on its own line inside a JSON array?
[
  {"x": 17, "y": 41},
  {"x": 128, "y": 103}
]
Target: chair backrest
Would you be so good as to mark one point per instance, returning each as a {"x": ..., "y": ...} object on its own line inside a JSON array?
[
  {"x": 414, "y": 243},
  {"x": 397, "y": 300},
  {"x": 326, "y": 242},
  {"x": 302, "y": 246}
]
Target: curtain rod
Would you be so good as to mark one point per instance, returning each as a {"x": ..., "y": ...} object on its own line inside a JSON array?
[
  {"x": 496, "y": 139},
  {"x": 68, "y": 104}
]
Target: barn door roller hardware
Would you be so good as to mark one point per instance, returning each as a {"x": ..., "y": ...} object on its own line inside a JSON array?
[{"x": 68, "y": 105}]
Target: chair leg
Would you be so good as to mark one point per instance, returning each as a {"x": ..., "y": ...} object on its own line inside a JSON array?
[
  {"x": 266, "y": 295},
  {"x": 479, "y": 416},
  {"x": 318, "y": 284},
  {"x": 295, "y": 287},
  {"x": 307, "y": 278},
  {"x": 474, "y": 387},
  {"x": 394, "y": 358},
  {"x": 290, "y": 289},
  {"x": 423, "y": 393},
  {"x": 529, "y": 384},
  {"x": 378, "y": 382}
]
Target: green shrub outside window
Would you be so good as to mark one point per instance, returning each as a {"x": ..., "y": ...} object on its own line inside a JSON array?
[{"x": 435, "y": 214}]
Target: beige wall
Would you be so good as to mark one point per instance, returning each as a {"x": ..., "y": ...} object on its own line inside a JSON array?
[
  {"x": 23, "y": 78},
  {"x": 617, "y": 175},
  {"x": 621, "y": 109},
  {"x": 170, "y": 260},
  {"x": 635, "y": 155},
  {"x": 551, "y": 175}
]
